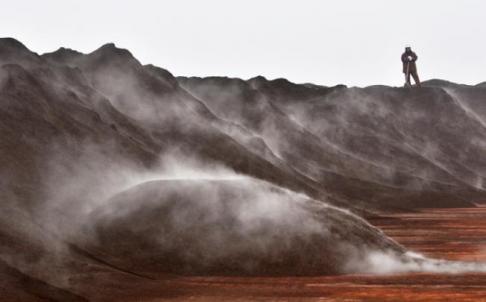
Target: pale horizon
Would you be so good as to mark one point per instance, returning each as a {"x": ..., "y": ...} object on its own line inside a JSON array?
[{"x": 320, "y": 42}]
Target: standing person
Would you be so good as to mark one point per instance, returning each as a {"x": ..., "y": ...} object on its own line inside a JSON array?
[{"x": 409, "y": 67}]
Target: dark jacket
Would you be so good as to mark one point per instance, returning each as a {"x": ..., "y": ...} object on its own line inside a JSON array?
[{"x": 405, "y": 59}]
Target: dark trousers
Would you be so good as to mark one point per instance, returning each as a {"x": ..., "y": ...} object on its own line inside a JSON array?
[{"x": 415, "y": 78}]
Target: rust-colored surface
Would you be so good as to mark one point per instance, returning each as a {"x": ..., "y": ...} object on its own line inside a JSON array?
[
  {"x": 445, "y": 233},
  {"x": 454, "y": 234}
]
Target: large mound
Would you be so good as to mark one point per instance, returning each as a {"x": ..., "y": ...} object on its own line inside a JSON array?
[
  {"x": 377, "y": 146},
  {"x": 76, "y": 129},
  {"x": 230, "y": 227}
]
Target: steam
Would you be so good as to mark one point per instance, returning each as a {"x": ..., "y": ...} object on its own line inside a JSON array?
[
  {"x": 77, "y": 190},
  {"x": 470, "y": 112},
  {"x": 174, "y": 166},
  {"x": 202, "y": 213},
  {"x": 284, "y": 211},
  {"x": 237, "y": 214},
  {"x": 387, "y": 263}
]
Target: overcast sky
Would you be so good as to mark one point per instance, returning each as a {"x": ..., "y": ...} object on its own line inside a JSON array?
[{"x": 325, "y": 42}]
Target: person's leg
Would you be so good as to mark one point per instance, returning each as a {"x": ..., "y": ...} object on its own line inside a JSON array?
[
  {"x": 407, "y": 79},
  {"x": 416, "y": 79}
]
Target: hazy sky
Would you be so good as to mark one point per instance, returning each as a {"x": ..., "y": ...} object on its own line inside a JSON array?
[{"x": 325, "y": 42}]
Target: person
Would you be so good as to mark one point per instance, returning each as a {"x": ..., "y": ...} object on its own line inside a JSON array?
[{"x": 409, "y": 67}]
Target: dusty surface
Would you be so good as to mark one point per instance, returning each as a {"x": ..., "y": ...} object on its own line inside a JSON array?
[
  {"x": 77, "y": 129},
  {"x": 450, "y": 233},
  {"x": 456, "y": 233}
]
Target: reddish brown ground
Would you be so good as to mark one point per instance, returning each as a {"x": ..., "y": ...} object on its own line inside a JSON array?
[{"x": 445, "y": 233}]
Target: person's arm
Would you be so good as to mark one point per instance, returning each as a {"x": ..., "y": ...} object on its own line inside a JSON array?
[
  {"x": 414, "y": 57},
  {"x": 409, "y": 57},
  {"x": 404, "y": 58}
]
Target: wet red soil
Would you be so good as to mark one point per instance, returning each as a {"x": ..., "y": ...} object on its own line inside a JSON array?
[{"x": 456, "y": 234}]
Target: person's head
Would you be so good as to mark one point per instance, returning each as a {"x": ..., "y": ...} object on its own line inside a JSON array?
[{"x": 408, "y": 48}]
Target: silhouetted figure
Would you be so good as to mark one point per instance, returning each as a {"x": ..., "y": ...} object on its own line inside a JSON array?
[{"x": 409, "y": 67}]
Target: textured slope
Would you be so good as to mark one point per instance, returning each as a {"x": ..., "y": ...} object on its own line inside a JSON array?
[
  {"x": 394, "y": 146},
  {"x": 84, "y": 136}
]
